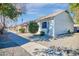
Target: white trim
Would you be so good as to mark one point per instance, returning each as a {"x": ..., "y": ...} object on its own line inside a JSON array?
[{"x": 54, "y": 36}]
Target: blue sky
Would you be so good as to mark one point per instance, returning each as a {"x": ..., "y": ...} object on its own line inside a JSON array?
[{"x": 36, "y": 10}]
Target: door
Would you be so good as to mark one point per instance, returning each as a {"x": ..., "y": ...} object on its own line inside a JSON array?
[{"x": 45, "y": 27}]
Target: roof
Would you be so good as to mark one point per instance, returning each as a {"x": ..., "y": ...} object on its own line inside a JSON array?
[{"x": 50, "y": 15}]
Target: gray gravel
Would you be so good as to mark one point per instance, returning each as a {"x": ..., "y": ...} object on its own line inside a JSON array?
[{"x": 56, "y": 51}]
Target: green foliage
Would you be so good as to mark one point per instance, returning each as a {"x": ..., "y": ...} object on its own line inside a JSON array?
[
  {"x": 77, "y": 21},
  {"x": 33, "y": 27},
  {"x": 42, "y": 33},
  {"x": 74, "y": 7},
  {"x": 22, "y": 30},
  {"x": 8, "y": 10},
  {"x": 69, "y": 31}
]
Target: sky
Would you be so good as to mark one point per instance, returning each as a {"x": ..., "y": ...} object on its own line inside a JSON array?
[{"x": 36, "y": 10}]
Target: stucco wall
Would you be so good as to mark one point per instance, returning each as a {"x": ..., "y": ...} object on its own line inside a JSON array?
[
  {"x": 59, "y": 24},
  {"x": 43, "y": 29},
  {"x": 63, "y": 23},
  {"x": 51, "y": 27}
]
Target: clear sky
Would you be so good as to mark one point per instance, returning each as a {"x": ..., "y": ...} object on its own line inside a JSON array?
[{"x": 36, "y": 10}]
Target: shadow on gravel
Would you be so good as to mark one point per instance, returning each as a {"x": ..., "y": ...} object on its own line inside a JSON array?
[
  {"x": 13, "y": 40},
  {"x": 40, "y": 38}
]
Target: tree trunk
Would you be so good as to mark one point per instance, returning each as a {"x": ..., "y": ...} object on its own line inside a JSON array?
[{"x": 2, "y": 29}]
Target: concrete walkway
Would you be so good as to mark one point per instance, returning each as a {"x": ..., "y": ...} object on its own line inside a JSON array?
[
  {"x": 25, "y": 43},
  {"x": 31, "y": 46}
]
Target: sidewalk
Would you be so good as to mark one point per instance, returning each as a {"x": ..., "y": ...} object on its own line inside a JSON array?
[{"x": 31, "y": 46}]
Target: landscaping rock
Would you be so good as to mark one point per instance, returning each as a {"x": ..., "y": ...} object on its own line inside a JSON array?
[{"x": 57, "y": 52}]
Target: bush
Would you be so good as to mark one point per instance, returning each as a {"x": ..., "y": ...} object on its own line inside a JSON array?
[
  {"x": 69, "y": 32},
  {"x": 33, "y": 27},
  {"x": 22, "y": 30},
  {"x": 42, "y": 33}
]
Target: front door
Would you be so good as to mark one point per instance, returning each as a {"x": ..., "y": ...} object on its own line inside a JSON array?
[{"x": 45, "y": 27}]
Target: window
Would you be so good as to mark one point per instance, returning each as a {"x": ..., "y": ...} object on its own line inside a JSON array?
[{"x": 44, "y": 25}]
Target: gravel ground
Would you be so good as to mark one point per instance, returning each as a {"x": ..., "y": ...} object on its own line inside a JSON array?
[{"x": 70, "y": 42}]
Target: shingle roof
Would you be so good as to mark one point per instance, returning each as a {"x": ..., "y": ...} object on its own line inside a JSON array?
[{"x": 50, "y": 15}]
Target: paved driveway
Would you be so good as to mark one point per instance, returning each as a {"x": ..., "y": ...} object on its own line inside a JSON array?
[
  {"x": 18, "y": 39},
  {"x": 10, "y": 48},
  {"x": 25, "y": 43}
]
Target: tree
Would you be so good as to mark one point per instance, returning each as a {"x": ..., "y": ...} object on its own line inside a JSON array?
[
  {"x": 8, "y": 10},
  {"x": 74, "y": 7},
  {"x": 33, "y": 27}
]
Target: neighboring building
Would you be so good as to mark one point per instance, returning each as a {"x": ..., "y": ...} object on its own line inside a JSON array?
[
  {"x": 57, "y": 23},
  {"x": 17, "y": 27}
]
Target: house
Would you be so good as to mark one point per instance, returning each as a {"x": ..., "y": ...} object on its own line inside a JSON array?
[
  {"x": 56, "y": 24},
  {"x": 17, "y": 27}
]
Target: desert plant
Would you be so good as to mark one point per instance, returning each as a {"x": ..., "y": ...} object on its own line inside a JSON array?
[
  {"x": 33, "y": 27},
  {"x": 22, "y": 30},
  {"x": 69, "y": 32}
]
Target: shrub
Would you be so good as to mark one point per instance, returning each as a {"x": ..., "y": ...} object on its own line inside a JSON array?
[
  {"x": 42, "y": 33},
  {"x": 33, "y": 27},
  {"x": 69, "y": 32},
  {"x": 22, "y": 30}
]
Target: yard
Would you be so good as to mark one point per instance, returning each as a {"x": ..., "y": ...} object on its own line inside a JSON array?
[
  {"x": 20, "y": 44},
  {"x": 68, "y": 41}
]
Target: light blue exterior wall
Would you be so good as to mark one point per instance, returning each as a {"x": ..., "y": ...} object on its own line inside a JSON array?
[
  {"x": 63, "y": 23},
  {"x": 51, "y": 28},
  {"x": 57, "y": 25},
  {"x": 43, "y": 29}
]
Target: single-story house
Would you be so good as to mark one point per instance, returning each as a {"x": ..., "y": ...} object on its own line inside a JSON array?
[
  {"x": 17, "y": 27},
  {"x": 57, "y": 23}
]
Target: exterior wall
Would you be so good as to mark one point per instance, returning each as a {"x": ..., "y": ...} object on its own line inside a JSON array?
[
  {"x": 42, "y": 29},
  {"x": 51, "y": 28},
  {"x": 39, "y": 28},
  {"x": 63, "y": 23},
  {"x": 60, "y": 24}
]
